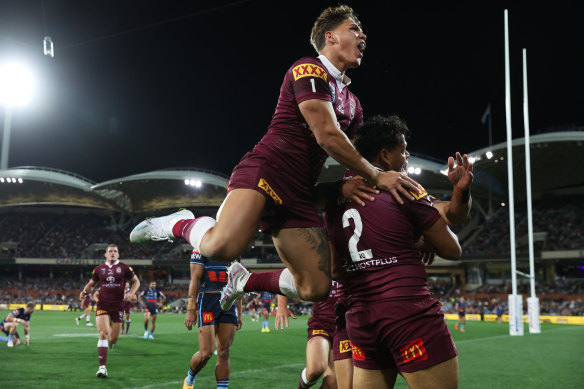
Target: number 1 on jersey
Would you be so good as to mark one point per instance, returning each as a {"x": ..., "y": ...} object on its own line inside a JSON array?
[{"x": 313, "y": 86}]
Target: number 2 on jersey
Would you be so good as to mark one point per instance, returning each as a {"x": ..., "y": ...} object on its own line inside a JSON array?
[{"x": 356, "y": 255}]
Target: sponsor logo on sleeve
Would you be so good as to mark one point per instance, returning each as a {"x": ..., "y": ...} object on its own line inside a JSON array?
[
  {"x": 345, "y": 346},
  {"x": 268, "y": 189},
  {"x": 308, "y": 70},
  {"x": 422, "y": 192},
  {"x": 207, "y": 317},
  {"x": 131, "y": 268},
  {"x": 319, "y": 332},
  {"x": 358, "y": 354},
  {"x": 414, "y": 351}
]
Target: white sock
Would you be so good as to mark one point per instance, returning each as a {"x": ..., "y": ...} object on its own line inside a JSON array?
[
  {"x": 102, "y": 343},
  {"x": 287, "y": 285},
  {"x": 305, "y": 380},
  {"x": 203, "y": 224}
]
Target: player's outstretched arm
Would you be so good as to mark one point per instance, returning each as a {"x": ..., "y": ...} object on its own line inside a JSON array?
[
  {"x": 321, "y": 119},
  {"x": 283, "y": 313},
  {"x": 194, "y": 285},
  {"x": 456, "y": 210}
]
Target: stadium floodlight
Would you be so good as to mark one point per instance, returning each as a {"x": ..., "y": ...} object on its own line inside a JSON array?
[
  {"x": 20, "y": 181},
  {"x": 411, "y": 170},
  {"x": 417, "y": 170},
  {"x": 16, "y": 84},
  {"x": 489, "y": 155}
]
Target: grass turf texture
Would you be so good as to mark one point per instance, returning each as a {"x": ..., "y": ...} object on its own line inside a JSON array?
[{"x": 63, "y": 355}]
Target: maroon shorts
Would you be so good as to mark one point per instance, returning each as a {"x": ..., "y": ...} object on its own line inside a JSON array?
[
  {"x": 86, "y": 303},
  {"x": 127, "y": 306},
  {"x": 289, "y": 204},
  {"x": 407, "y": 334},
  {"x": 321, "y": 326},
  {"x": 116, "y": 314},
  {"x": 341, "y": 342}
]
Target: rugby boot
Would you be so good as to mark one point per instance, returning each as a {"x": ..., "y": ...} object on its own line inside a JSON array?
[
  {"x": 237, "y": 278},
  {"x": 158, "y": 228}
]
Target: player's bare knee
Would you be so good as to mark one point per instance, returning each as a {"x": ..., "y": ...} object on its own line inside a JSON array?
[
  {"x": 219, "y": 249},
  {"x": 315, "y": 371},
  {"x": 223, "y": 353}
]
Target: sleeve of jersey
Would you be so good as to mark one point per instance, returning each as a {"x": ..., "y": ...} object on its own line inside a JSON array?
[
  {"x": 129, "y": 273},
  {"x": 94, "y": 275},
  {"x": 357, "y": 121},
  {"x": 310, "y": 80},
  {"x": 198, "y": 259},
  {"x": 422, "y": 212}
]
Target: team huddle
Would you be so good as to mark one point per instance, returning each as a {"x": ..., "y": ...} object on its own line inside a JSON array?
[{"x": 358, "y": 247}]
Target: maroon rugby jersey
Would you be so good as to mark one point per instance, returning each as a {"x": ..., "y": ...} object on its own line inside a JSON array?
[
  {"x": 376, "y": 242},
  {"x": 289, "y": 141},
  {"x": 326, "y": 308},
  {"x": 112, "y": 281}
]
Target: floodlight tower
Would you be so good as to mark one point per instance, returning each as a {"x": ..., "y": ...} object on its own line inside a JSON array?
[{"x": 15, "y": 90}]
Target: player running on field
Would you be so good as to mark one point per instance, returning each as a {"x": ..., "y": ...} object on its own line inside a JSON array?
[
  {"x": 127, "y": 308},
  {"x": 111, "y": 276},
  {"x": 216, "y": 327},
  {"x": 274, "y": 185},
  {"x": 152, "y": 299},
  {"x": 86, "y": 306}
]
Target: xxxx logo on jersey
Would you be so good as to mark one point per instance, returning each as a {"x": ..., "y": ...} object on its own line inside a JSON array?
[
  {"x": 320, "y": 332},
  {"x": 421, "y": 192},
  {"x": 268, "y": 189},
  {"x": 308, "y": 70},
  {"x": 358, "y": 354}
]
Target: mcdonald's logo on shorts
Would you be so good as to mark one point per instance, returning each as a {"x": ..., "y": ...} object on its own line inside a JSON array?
[
  {"x": 268, "y": 189},
  {"x": 207, "y": 317},
  {"x": 358, "y": 354},
  {"x": 414, "y": 351},
  {"x": 320, "y": 332},
  {"x": 345, "y": 346}
]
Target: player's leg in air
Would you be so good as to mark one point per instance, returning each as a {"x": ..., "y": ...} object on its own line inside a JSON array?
[{"x": 304, "y": 250}]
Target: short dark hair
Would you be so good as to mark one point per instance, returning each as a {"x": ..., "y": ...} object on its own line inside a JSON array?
[
  {"x": 328, "y": 20},
  {"x": 380, "y": 132}
]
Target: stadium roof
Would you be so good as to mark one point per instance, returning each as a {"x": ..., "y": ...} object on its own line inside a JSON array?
[
  {"x": 554, "y": 157},
  {"x": 137, "y": 193}
]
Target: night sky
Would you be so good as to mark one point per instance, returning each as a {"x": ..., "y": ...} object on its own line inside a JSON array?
[{"x": 135, "y": 86}]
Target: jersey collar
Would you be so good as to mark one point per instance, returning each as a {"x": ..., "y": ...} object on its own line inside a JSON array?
[
  {"x": 341, "y": 79},
  {"x": 114, "y": 264}
]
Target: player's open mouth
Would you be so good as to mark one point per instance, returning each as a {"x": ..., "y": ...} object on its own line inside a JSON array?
[{"x": 361, "y": 47}]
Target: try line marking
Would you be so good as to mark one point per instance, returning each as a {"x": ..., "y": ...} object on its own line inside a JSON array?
[{"x": 237, "y": 373}]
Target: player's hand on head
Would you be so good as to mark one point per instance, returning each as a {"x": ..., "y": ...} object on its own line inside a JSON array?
[
  {"x": 460, "y": 174},
  {"x": 396, "y": 183},
  {"x": 358, "y": 189}
]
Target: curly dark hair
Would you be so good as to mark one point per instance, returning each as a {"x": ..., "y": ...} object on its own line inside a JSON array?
[
  {"x": 380, "y": 132},
  {"x": 328, "y": 20}
]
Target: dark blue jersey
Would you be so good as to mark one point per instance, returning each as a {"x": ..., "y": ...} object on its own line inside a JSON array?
[
  {"x": 214, "y": 273},
  {"x": 151, "y": 296},
  {"x": 266, "y": 297},
  {"x": 19, "y": 313},
  {"x": 461, "y": 306}
]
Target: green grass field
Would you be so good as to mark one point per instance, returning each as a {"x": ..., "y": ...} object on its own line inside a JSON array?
[{"x": 63, "y": 355}]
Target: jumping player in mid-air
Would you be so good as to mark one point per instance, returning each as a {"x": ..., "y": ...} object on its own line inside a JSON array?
[
  {"x": 274, "y": 185},
  {"x": 111, "y": 276}
]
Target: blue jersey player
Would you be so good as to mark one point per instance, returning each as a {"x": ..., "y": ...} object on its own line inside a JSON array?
[
  {"x": 266, "y": 301},
  {"x": 19, "y": 316},
  {"x": 216, "y": 326},
  {"x": 151, "y": 300},
  {"x": 461, "y": 309}
]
